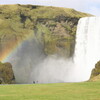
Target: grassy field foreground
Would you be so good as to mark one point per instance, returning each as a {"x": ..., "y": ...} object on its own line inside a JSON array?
[{"x": 57, "y": 91}]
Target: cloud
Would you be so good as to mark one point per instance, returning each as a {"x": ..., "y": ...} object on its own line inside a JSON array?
[{"x": 94, "y": 10}]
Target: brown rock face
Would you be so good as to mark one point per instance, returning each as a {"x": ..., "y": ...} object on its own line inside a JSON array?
[{"x": 6, "y": 73}]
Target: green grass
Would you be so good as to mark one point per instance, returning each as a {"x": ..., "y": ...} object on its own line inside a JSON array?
[{"x": 57, "y": 91}]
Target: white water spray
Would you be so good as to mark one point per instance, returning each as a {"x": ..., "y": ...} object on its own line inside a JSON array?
[
  {"x": 30, "y": 64},
  {"x": 87, "y": 49}
]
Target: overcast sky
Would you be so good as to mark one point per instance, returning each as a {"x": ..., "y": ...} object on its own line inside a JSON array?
[{"x": 88, "y": 6}]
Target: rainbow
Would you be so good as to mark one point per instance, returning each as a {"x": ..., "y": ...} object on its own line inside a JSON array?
[{"x": 10, "y": 47}]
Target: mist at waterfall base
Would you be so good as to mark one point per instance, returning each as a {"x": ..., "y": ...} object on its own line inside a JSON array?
[{"x": 30, "y": 64}]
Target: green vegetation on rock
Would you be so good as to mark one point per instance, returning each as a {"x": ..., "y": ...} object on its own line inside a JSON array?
[
  {"x": 53, "y": 27},
  {"x": 95, "y": 74},
  {"x": 6, "y": 73}
]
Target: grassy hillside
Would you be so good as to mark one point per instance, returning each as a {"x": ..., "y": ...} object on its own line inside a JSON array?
[
  {"x": 39, "y": 11},
  {"x": 58, "y": 91},
  {"x": 53, "y": 27},
  {"x": 95, "y": 74}
]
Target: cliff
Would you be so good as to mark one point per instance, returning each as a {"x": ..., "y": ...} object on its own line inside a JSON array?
[{"x": 53, "y": 27}]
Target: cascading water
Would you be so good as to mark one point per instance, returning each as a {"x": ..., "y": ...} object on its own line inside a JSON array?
[
  {"x": 87, "y": 45},
  {"x": 30, "y": 64}
]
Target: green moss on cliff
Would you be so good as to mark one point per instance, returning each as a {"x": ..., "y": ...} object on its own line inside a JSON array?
[
  {"x": 53, "y": 27},
  {"x": 95, "y": 74}
]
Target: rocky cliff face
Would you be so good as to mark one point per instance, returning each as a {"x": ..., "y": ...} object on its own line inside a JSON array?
[
  {"x": 6, "y": 73},
  {"x": 95, "y": 75},
  {"x": 53, "y": 27}
]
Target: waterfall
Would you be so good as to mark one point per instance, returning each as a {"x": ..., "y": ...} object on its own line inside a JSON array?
[
  {"x": 87, "y": 49},
  {"x": 31, "y": 65}
]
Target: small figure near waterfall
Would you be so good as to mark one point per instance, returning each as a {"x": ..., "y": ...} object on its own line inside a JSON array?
[{"x": 33, "y": 82}]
